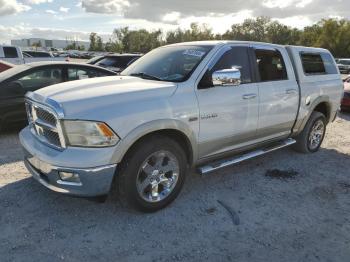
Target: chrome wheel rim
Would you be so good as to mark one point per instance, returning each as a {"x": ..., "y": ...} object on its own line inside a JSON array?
[
  {"x": 157, "y": 176},
  {"x": 316, "y": 134}
]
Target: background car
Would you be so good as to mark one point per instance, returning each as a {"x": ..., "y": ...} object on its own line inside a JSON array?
[
  {"x": 15, "y": 82},
  {"x": 95, "y": 59},
  {"x": 345, "y": 103},
  {"x": 343, "y": 65},
  {"x": 4, "y": 66},
  {"x": 37, "y": 54},
  {"x": 117, "y": 63}
]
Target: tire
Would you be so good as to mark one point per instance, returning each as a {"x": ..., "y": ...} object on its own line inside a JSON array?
[
  {"x": 152, "y": 175},
  {"x": 308, "y": 142}
]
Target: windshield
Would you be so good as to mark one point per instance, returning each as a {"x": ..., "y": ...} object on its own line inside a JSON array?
[
  {"x": 344, "y": 62},
  {"x": 171, "y": 63}
]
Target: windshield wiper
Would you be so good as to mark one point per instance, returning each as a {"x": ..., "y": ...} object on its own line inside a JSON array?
[{"x": 146, "y": 76}]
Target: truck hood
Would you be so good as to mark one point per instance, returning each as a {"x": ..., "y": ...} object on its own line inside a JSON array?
[{"x": 79, "y": 99}]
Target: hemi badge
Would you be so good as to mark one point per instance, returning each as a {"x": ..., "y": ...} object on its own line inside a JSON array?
[{"x": 192, "y": 119}]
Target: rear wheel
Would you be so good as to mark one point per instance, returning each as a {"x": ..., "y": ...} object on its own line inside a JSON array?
[
  {"x": 153, "y": 174},
  {"x": 311, "y": 138}
]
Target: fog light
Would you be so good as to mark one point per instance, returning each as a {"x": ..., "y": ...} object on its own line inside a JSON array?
[{"x": 70, "y": 177}]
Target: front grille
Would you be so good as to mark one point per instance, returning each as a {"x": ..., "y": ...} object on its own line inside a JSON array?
[
  {"x": 44, "y": 124},
  {"x": 46, "y": 116}
]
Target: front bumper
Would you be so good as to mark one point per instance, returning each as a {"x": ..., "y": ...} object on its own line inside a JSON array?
[{"x": 40, "y": 161}]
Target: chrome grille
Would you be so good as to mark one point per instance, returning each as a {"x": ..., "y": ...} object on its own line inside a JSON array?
[
  {"x": 46, "y": 116},
  {"x": 45, "y": 125}
]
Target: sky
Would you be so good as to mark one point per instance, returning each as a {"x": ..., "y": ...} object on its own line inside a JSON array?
[{"x": 76, "y": 19}]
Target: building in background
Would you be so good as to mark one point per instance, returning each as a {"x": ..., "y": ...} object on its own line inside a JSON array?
[{"x": 46, "y": 44}]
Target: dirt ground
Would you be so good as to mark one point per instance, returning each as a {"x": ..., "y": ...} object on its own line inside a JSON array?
[{"x": 283, "y": 206}]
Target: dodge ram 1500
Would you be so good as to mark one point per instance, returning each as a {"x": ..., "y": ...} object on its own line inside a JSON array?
[{"x": 200, "y": 104}]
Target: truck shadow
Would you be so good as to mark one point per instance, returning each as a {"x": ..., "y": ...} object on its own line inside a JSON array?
[
  {"x": 344, "y": 115},
  {"x": 10, "y": 147}
]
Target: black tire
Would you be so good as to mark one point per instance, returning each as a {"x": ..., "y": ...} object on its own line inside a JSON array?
[
  {"x": 303, "y": 144},
  {"x": 131, "y": 166}
]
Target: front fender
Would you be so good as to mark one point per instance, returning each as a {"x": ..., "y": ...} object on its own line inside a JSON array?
[{"x": 156, "y": 125}]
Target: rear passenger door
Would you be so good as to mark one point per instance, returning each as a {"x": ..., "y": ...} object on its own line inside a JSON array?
[{"x": 278, "y": 92}]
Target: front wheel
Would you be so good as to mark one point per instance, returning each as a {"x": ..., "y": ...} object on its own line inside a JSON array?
[
  {"x": 311, "y": 138},
  {"x": 153, "y": 174}
]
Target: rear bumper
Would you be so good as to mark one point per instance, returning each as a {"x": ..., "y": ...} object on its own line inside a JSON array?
[{"x": 94, "y": 181}]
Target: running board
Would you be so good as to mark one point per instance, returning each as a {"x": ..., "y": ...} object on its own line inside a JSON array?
[{"x": 237, "y": 159}]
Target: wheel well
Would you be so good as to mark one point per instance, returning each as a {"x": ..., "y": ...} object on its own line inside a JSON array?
[
  {"x": 324, "y": 109},
  {"x": 174, "y": 134}
]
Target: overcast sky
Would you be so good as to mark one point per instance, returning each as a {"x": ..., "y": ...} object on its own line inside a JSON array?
[{"x": 76, "y": 19}]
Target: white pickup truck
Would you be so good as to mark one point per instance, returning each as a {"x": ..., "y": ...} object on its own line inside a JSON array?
[
  {"x": 14, "y": 55},
  {"x": 201, "y": 104}
]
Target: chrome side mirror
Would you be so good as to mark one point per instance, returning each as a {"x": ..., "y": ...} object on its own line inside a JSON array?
[{"x": 227, "y": 77}]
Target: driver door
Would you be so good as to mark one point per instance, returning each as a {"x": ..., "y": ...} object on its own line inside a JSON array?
[{"x": 228, "y": 114}]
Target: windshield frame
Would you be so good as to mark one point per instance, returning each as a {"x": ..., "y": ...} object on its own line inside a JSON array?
[{"x": 186, "y": 77}]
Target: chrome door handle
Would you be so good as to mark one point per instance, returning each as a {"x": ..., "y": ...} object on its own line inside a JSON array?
[
  {"x": 291, "y": 91},
  {"x": 249, "y": 96}
]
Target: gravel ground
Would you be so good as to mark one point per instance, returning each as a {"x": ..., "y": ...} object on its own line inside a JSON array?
[{"x": 283, "y": 206}]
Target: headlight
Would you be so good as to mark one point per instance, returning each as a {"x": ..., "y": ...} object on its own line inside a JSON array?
[{"x": 89, "y": 134}]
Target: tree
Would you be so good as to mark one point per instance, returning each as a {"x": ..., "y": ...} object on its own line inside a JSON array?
[
  {"x": 332, "y": 34},
  {"x": 36, "y": 45},
  {"x": 93, "y": 41}
]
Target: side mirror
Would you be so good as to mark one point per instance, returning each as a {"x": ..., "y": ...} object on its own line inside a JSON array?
[{"x": 227, "y": 77}]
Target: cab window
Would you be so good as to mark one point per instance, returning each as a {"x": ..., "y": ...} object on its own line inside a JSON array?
[
  {"x": 237, "y": 57},
  {"x": 271, "y": 66}
]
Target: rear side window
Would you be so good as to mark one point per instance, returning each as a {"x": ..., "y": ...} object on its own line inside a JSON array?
[
  {"x": 271, "y": 65},
  {"x": 238, "y": 58},
  {"x": 10, "y": 52},
  {"x": 318, "y": 64},
  {"x": 313, "y": 64}
]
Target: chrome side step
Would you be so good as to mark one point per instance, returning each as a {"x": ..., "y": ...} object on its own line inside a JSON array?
[{"x": 237, "y": 159}]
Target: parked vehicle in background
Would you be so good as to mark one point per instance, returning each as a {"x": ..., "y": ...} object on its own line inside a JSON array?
[
  {"x": 15, "y": 56},
  {"x": 37, "y": 54},
  {"x": 200, "y": 104},
  {"x": 95, "y": 59},
  {"x": 345, "y": 103},
  {"x": 4, "y": 66},
  {"x": 15, "y": 82},
  {"x": 118, "y": 62},
  {"x": 343, "y": 65}
]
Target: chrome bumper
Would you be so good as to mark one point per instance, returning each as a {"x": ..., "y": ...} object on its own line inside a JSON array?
[{"x": 95, "y": 181}]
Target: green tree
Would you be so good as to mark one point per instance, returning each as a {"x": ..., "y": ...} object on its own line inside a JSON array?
[{"x": 93, "y": 42}]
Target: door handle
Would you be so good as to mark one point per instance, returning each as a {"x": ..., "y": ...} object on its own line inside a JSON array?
[
  {"x": 291, "y": 91},
  {"x": 249, "y": 96}
]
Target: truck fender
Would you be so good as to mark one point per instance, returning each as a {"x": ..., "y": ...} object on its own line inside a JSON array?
[
  {"x": 301, "y": 123},
  {"x": 155, "y": 126}
]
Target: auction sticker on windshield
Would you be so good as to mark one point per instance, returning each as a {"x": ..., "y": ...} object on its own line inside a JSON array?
[{"x": 192, "y": 52}]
